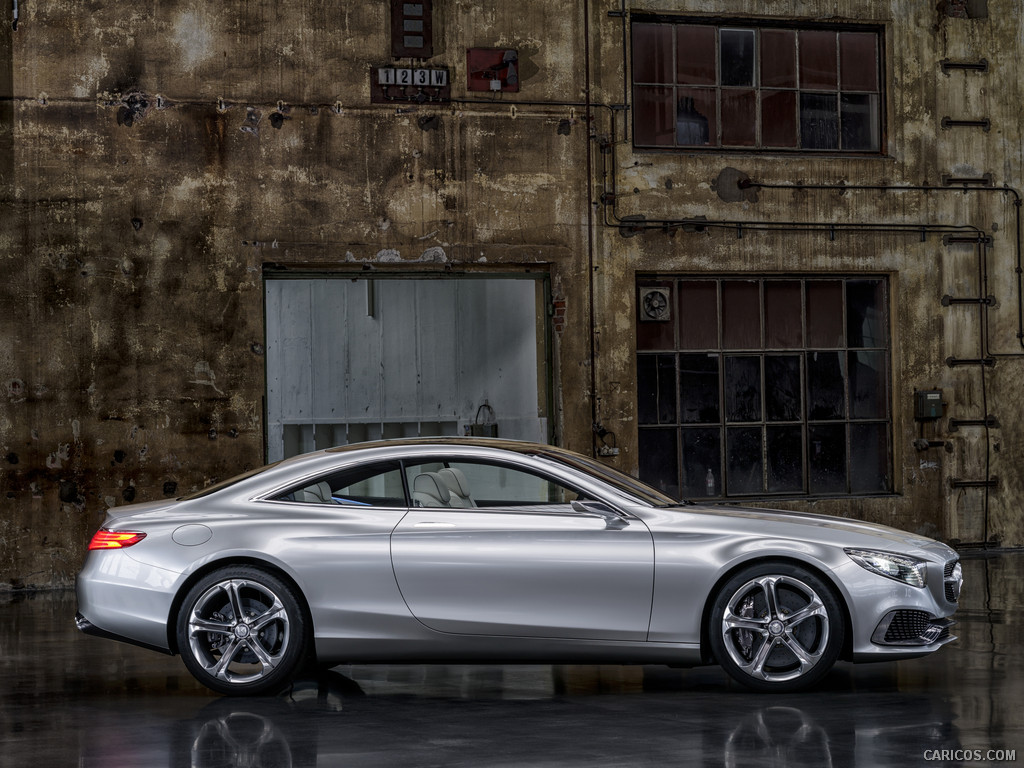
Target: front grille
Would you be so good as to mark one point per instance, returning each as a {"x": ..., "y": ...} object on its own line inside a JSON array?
[
  {"x": 912, "y": 628},
  {"x": 906, "y": 626},
  {"x": 950, "y": 583}
]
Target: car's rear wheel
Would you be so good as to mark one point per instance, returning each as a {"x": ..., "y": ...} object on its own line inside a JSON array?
[
  {"x": 241, "y": 631},
  {"x": 776, "y": 627}
]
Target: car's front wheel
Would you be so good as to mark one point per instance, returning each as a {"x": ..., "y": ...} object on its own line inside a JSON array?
[
  {"x": 241, "y": 631},
  {"x": 776, "y": 627}
]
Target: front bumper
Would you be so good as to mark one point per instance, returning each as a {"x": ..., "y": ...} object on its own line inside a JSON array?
[
  {"x": 912, "y": 629},
  {"x": 902, "y": 622}
]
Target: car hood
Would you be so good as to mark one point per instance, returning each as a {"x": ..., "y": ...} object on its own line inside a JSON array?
[{"x": 838, "y": 531}]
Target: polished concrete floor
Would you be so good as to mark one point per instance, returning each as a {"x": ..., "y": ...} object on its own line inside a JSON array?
[{"x": 71, "y": 700}]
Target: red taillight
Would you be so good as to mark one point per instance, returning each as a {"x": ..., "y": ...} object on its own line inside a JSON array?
[{"x": 104, "y": 539}]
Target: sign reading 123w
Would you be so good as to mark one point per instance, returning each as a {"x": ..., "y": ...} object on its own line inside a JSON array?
[
  {"x": 394, "y": 76},
  {"x": 409, "y": 84}
]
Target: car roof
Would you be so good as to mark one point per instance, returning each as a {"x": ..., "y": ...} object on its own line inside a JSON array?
[
  {"x": 517, "y": 446},
  {"x": 271, "y": 475}
]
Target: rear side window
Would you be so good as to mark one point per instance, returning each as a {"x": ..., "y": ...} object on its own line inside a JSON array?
[
  {"x": 464, "y": 484},
  {"x": 377, "y": 485}
]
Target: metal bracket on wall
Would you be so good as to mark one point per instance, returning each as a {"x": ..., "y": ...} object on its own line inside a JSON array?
[
  {"x": 953, "y": 362},
  {"x": 984, "y": 123},
  {"x": 967, "y": 181},
  {"x": 956, "y": 482},
  {"x": 923, "y": 445},
  {"x": 967, "y": 66},
  {"x": 965, "y": 239},
  {"x": 948, "y": 300},
  {"x": 989, "y": 421}
]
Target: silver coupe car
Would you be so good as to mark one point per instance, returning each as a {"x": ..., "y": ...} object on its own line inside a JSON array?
[{"x": 472, "y": 550}]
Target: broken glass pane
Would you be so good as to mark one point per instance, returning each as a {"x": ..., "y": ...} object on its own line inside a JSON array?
[
  {"x": 825, "y": 395},
  {"x": 698, "y": 388},
  {"x": 696, "y": 125},
  {"x": 656, "y": 389},
  {"x": 702, "y": 474},
  {"x": 659, "y": 459},
  {"x": 859, "y": 115},
  {"x": 865, "y": 313},
  {"x": 819, "y": 121},
  {"x": 782, "y": 387},
  {"x": 785, "y": 459},
  {"x": 826, "y": 458},
  {"x": 743, "y": 388},
  {"x": 746, "y": 465},
  {"x": 737, "y": 56}
]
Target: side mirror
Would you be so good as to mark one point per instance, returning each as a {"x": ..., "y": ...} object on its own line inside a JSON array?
[{"x": 612, "y": 519}]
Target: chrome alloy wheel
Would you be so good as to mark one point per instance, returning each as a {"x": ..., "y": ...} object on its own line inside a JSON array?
[
  {"x": 238, "y": 631},
  {"x": 777, "y": 627},
  {"x": 241, "y": 630}
]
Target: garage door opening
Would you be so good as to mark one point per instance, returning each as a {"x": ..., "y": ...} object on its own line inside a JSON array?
[{"x": 350, "y": 360}]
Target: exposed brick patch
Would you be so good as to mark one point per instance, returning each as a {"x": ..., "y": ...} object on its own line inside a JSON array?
[{"x": 558, "y": 314}]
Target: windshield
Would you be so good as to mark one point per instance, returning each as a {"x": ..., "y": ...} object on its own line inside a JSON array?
[{"x": 619, "y": 480}]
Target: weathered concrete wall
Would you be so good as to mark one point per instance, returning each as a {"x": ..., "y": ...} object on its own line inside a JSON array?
[
  {"x": 155, "y": 158},
  {"x": 151, "y": 186},
  {"x": 919, "y": 152}
]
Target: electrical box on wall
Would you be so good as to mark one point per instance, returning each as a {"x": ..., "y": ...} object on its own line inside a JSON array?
[
  {"x": 412, "y": 33},
  {"x": 927, "y": 404},
  {"x": 492, "y": 69}
]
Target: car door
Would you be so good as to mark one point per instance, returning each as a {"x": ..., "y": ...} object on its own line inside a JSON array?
[
  {"x": 342, "y": 551},
  {"x": 507, "y": 552}
]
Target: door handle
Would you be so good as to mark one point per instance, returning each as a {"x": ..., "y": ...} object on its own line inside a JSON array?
[{"x": 434, "y": 525}]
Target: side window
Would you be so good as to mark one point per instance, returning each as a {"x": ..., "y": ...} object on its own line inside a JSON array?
[
  {"x": 468, "y": 484},
  {"x": 379, "y": 485}
]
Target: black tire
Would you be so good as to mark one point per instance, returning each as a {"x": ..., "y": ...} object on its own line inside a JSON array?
[
  {"x": 776, "y": 627},
  {"x": 242, "y": 632}
]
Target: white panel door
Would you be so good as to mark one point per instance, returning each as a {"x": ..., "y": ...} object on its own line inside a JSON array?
[{"x": 352, "y": 360}]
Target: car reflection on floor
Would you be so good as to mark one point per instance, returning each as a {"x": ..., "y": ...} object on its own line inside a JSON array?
[{"x": 53, "y": 680}]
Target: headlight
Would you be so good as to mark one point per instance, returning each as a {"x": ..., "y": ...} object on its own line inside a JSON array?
[{"x": 908, "y": 570}]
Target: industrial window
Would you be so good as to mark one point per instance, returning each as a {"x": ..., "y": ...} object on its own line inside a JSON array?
[
  {"x": 755, "y": 86},
  {"x": 760, "y": 387}
]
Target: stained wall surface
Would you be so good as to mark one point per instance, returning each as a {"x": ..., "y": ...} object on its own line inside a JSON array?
[{"x": 158, "y": 160}]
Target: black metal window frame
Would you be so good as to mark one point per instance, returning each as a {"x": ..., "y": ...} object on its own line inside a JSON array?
[
  {"x": 826, "y": 119},
  {"x": 725, "y": 419}
]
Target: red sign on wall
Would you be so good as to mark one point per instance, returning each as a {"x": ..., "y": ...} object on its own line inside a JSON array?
[{"x": 492, "y": 69}]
